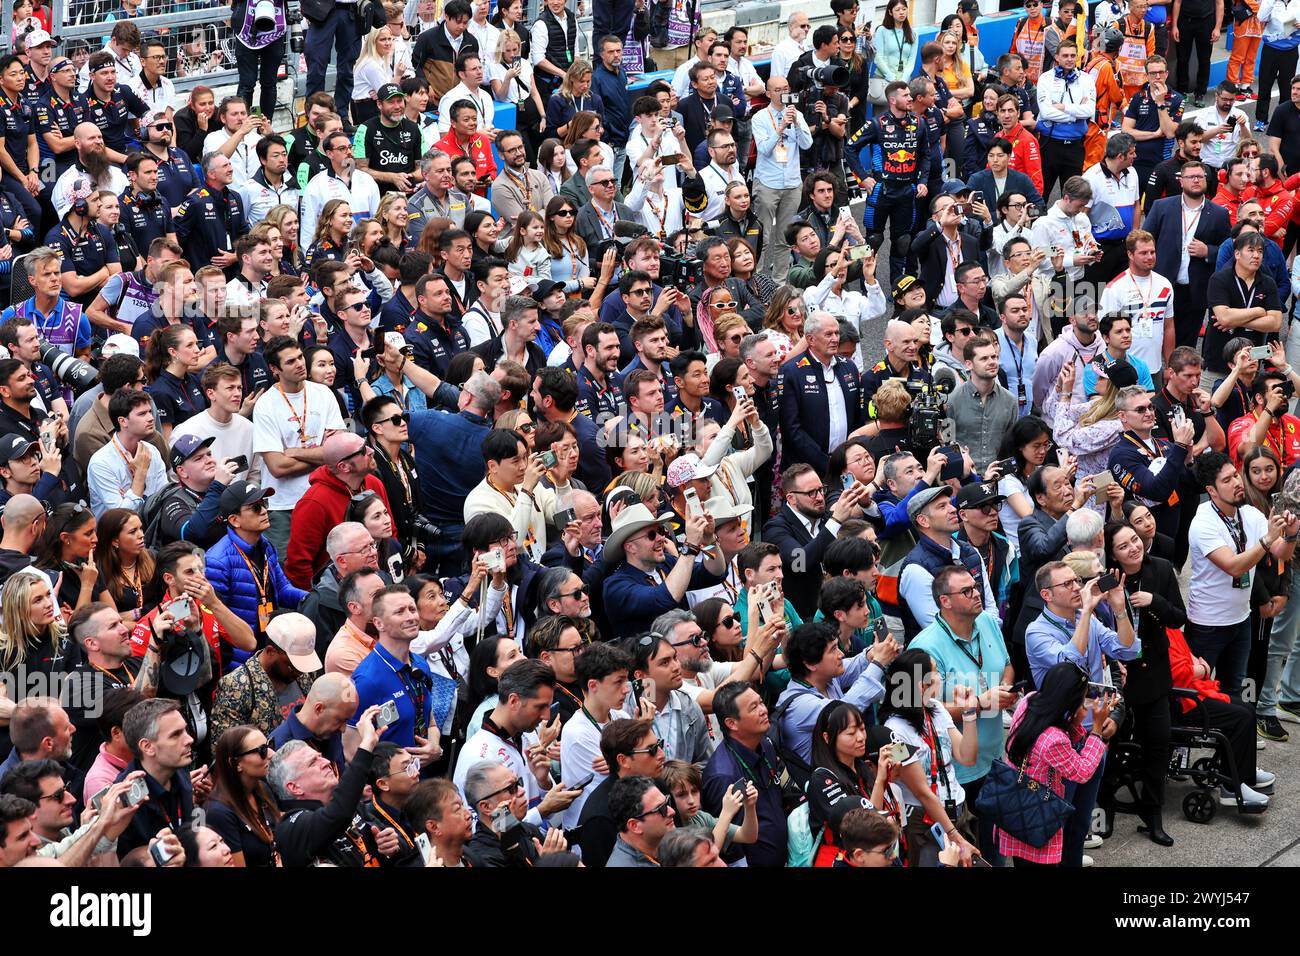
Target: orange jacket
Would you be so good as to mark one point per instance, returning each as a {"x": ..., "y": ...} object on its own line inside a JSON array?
[
  {"x": 1232, "y": 201},
  {"x": 1277, "y": 202},
  {"x": 1025, "y": 157}
]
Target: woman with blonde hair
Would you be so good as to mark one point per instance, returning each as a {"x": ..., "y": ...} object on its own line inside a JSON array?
[
  {"x": 31, "y": 635},
  {"x": 1088, "y": 431},
  {"x": 392, "y": 218},
  {"x": 372, "y": 70},
  {"x": 285, "y": 218},
  {"x": 783, "y": 321},
  {"x": 513, "y": 82},
  {"x": 573, "y": 97}
]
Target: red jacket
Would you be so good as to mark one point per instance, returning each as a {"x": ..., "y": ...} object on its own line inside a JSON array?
[
  {"x": 1025, "y": 157},
  {"x": 477, "y": 149},
  {"x": 324, "y": 506},
  {"x": 1277, "y": 202},
  {"x": 1232, "y": 201}
]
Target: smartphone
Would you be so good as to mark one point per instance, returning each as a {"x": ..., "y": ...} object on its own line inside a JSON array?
[
  {"x": 741, "y": 785},
  {"x": 857, "y": 253},
  {"x": 1061, "y": 456},
  {"x": 1102, "y": 480},
  {"x": 940, "y": 837},
  {"x": 501, "y": 817},
  {"x": 238, "y": 463},
  {"x": 899, "y": 752},
  {"x": 581, "y": 784},
  {"x": 846, "y": 213},
  {"x": 1273, "y": 499},
  {"x": 1006, "y": 466},
  {"x": 670, "y": 159},
  {"x": 564, "y": 518},
  {"x": 161, "y": 855},
  {"x": 693, "y": 506},
  {"x": 1097, "y": 691},
  {"x": 98, "y": 798},
  {"x": 847, "y": 480},
  {"x": 182, "y": 609},
  {"x": 739, "y": 393},
  {"x": 1179, "y": 416},
  {"x": 387, "y": 714},
  {"x": 1020, "y": 687},
  {"x": 548, "y": 459},
  {"x": 1107, "y": 582},
  {"x": 976, "y": 195},
  {"x": 955, "y": 466},
  {"x": 641, "y": 687},
  {"x": 669, "y": 122},
  {"x": 1258, "y": 352}
]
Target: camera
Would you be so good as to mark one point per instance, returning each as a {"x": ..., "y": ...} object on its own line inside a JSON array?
[
  {"x": 927, "y": 424},
  {"x": 71, "y": 371},
  {"x": 293, "y": 18},
  {"x": 679, "y": 271},
  {"x": 425, "y": 531},
  {"x": 494, "y": 561},
  {"x": 823, "y": 76}
]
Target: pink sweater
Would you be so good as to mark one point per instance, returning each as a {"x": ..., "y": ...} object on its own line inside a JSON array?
[{"x": 102, "y": 772}]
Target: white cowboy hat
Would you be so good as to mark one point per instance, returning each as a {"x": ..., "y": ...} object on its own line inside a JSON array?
[{"x": 628, "y": 522}]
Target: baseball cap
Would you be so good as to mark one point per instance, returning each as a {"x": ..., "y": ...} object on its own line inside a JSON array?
[
  {"x": 300, "y": 648},
  {"x": 544, "y": 288},
  {"x": 954, "y": 187},
  {"x": 37, "y": 37},
  {"x": 119, "y": 343},
  {"x": 921, "y": 499},
  {"x": 722, "y": 113},
  {"x": 1120, "y": 372},
  {"x": 903, "y": 284},
  {"x": 186, "y": 447},
  {"x": 979, "y": 493},
  {"x": 390, "y": 91},
  {"x": 240, "y": 493},
  {"x": 687, "y": 468},
  {"x": 13, "y": 447}
]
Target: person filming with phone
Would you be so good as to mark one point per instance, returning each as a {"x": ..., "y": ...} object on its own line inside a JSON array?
[{"x": 1267, "y": 422}]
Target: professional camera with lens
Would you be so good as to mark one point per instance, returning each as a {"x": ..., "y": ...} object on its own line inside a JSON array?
[
  {"x": 426, "y": 532},
  {"x": 71, "y": 371},
  {"x": 680, "y": 272},
  {"x": 927, "y": 423},
  {"x": 293, "y": 17},
  {"x": 823, "y": 76}
]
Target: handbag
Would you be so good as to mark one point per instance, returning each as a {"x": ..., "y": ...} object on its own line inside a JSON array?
[
  {"x": 1020, "y": 805},
  {"x": 1240, "y": 13}
]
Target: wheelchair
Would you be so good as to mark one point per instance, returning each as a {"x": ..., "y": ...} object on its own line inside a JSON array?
[{"x": 1207, "y": 773}]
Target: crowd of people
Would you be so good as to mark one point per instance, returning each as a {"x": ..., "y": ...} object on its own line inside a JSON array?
[{"x": 407, "y": 490}]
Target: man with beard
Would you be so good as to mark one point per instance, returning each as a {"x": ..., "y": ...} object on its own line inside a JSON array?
[
  {"x": 1164, "y": 179},
  {"x": 272, "y": 682},
  {"x": 113, "y": 108},
  {"x": 599, "y": 396},
  {"x": 1186, "y": 254},
  {"x": 92, "y": 165},
  {"x": 356, "y": 638}
]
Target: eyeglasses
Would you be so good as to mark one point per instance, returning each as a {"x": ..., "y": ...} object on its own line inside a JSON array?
[
  {"x": 847, "y": 38},
  {"x": 664, "y": 809},
  {"x": 695, "y": 640},
  {"x": 575, "y": 593},
  {"x": 369, "y": 546},
  {"x": 730, "y": 145},
  {"x": 575, "y": 651},
  {"x": 650, "y": 751},
  {"x": 967, "y": 592},
  {"x": 261, "y": 751},
  {"x": 57, "y": 795},
  {"x": 1141, "y": 409},
  {"x": 403, "y": 418},
  {"x": 510, "y": 788},
  {"x": 1073, "y": 584},
  {"x": 814, "y": 493},
  {"x": 793, "y": 310},
  {"x": 565, "y": 212}
]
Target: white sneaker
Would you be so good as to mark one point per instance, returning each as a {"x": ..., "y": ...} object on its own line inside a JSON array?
[
  {"x": 1259, "y": 743},
  {"x": 1263, "y": 782},
  {"x": 1093, "y": 841},
  {"x": 1087, "y": 860},
  {"x": 1249, "y": 798}
]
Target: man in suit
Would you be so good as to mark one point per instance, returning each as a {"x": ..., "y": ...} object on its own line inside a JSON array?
[
  {"x": 1186, "y": 254},
  {"x": 820, "y": 396},
  {"x": 596, "y": 218},
  {"x": 943, "y": 245},
  {"x": 803, "y": 530}
]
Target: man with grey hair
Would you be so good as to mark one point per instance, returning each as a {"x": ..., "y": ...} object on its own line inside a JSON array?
[
  {"x": 820, "y": 400},
  {"x": 350, "y": 547},
  {"x": 449, "y": 457},
  {"x": 596, "y": 219},
  {"x": 519, "y": 327},
  {"x": 320, "y": 819},
  {"x": 1083, "y": 532},
  {"x": 431, "y": 201},
  {"x": 503, "y": 839},
  {"x": 1150, "y": 468},
  {"x": 211, "y": 219},
  {"x": 902, "y": 347}
]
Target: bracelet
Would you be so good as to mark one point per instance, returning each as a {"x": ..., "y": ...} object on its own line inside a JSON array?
[
  {"x": 1265, "y": 544},
  {"x": 969, "y": 714}
]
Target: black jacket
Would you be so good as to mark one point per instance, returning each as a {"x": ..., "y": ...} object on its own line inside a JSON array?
[
  {"x": 322, "y": 606},
  {"x": 931, "y": 253},
  {"x": 799, "y": 550},
  {"x": 598, "y": 831},
  {"x": 1042, "y": 539},
  {"x": 312, "y": 831},
  {"x": 515, "y": 848},
  {"x": 1149, "y": 678},
  {"x": 408, "y": 854}
]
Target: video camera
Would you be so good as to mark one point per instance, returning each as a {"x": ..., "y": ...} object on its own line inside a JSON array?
[
  {"x": 71, "y": 371},
  {"x": 927, "y": 423},
  {"x": 679, "y": 271}
]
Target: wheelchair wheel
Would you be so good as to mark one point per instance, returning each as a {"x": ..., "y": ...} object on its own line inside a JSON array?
[
  {"x": 1199, "y": 806},
  {"x": 1205, "y": 771}
]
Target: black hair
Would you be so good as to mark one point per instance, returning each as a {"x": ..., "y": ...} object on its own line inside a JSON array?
[
  {"x": 384, "y": 753},
  {"x": 24, "y": 778},
  {"x": 851, "y": 555},
  {"x": 1059, "y": 696},
  {"x": 482, "y": 684},
  {"x": 838, "y": 461},
  {"x": 1025, "y": 431},
  {"x": 626, "y": 797},
  {"x": 724, "y": 702},
  {"x": 807, "y": 646},
  {"x": 502, "y": 443},
  {"x": 682, "y": 361},
  {"x": 901, "y": 681},
  {"x": 840, "y": 594},
  {"x": 835, "y": 718},
  {"x": 560, "y": 385},
  {"x": 482, "y": 529},
  {"x": 1207, "y": 466},
  {"x": 599, "y": 661}
]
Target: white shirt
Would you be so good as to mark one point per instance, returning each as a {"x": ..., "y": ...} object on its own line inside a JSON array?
[
  {"x": 847, "y": 304},
  {"x": 233, "y": 439},
  {"x": 786, "y": 52},
  {"x": 744, "y": 69},
  {"x": 1214, "y": 601},
  {"x": 1058, "y": 229},
  {"x": 1190, "y": 219},
  {"x": 159, "y": 98},
  {"x": 1217, "y": 150},
  {"x": 109, "y": 478},
  {"x": 949, "y": 788},
  {"x": 1120, "y": 191},
  {"x": 487, "y": 36},
  {"x": 952, "y": 258},
  {"x": 483, "y": 99},
  {"x": 368, "y": 78},
  {"x": 579, "y": 746},
  {"x": 128, "y": 68},
  {"x": 1077, "y": 98},
  {"x": 682, "y": 78},
  {"x": 259, "y": 198},
  {"x": 244, "y": 159},
  {"x": 661, "y": 212},
  {"x": 61, "y": 196},
  {"x": 276, "y": 419},
  {"x": 1148, "y": 301},
  {"x": 839, "y": 431},
  {"x": 362, "y": 196},
  {"x": 716, "y": 180},
  {"x": 637, "y": 144},
  {"x": 485, "y": 745},
  {"x": 238, "y": 293}
]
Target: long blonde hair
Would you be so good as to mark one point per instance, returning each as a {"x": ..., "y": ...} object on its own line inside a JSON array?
[
  {"x": 1104, "y": 407},
  {"x": 18, "y": 632},
  {"x": 370, "y": 48}
]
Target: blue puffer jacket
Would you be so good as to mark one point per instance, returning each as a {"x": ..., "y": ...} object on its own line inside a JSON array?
[{"x": 233, "y": 581}]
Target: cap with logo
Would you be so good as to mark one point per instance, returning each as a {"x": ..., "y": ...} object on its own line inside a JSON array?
[
  {"x": 688, "y": 468},
  {"x": 37, "y": 37},
  {"x": 979, "y": 493},
  {"x": 390, "y": 91},
  {"x": 903, "y": 284},
  {"x": 186, "y": 447},
  {"x": 13, "y": 447},
  {"x": 241, "y": 493}
]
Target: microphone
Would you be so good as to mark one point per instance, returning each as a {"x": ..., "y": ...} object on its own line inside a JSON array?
[
  {"x": 944, "y": 377},
  {"x": 629, "y": 229}
]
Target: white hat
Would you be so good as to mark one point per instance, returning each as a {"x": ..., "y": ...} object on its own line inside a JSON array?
[
  {"x": 119, "y": 343},
  {"x": 723, "y": 510},
  {"x": 628, "y": 522}
]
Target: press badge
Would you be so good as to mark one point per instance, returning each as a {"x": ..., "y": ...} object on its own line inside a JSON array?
[
  {"x": 781, "y": 154},
  {"x": 264, "y": 612},
  {"x": 1144, "y": 328},
  {"x": 1241, "y": 583}
]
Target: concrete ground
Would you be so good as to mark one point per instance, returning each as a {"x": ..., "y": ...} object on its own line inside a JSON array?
[{"x": 1229, "y": 839}]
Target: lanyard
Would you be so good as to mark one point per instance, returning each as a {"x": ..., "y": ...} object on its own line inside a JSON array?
[
  {"x": 962, "y": 645},
  {"x": 1143, "y": 297},
  {"x": 414, "y": 683},
  {"x": 1247, "y": 291},
  {"x": 401, "y": 831},
  {"x": 264, "y": 583},
  {"x": 1236, "y": 527},
  {"x": 586, "y": 713},
  {"x": 300, "y": 421},
  {"x": 937, "y": 770},
  {"x": 524, "y": 186},
  {"x": 1190, "y": 226}
]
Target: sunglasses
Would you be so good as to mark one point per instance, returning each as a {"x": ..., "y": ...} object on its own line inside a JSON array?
[
  {"x": 650, "y": 751},
  {"x": 404, "y": 418},
  {"x": 261, "y": 751},
  {"x": 163, "y": 126},
  {"x": 575, "y": 593},
  {"x": 565, "y": 212},
  {"x": 654, "y": 534},
  {"x": 511, "y": 788},
  {"x": 603, "y": 182},
  {"x": 256, "y": 506},
  {"x": 664, "y": 809},
  {"x": 354, "y": 307},
  {"x": 58, "y": 795},
  {"x": 696, "y": 640},
  {"x": 363, "y": 450},
  {"x": 731, "y": 304},
  {"x": 729, "y": 621}
]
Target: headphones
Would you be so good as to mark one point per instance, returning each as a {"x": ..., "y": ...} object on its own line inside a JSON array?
[{"x": 81, "y": 206}]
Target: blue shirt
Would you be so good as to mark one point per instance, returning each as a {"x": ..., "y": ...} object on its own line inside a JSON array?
[
  {"x": 291, "y": 728},
  {"x": 1049, "y": 640},
  {"x": 44, "y": 323},
  {"x": 449, "y": 454},
  {"x": 633, "y": 599},
  {"x": 1143, "y": 372},
  {"x": 768, "y": 170},
  {"x": 1018, "y": 366},
  {"x": 977, "y": 664},
  {"x": 381, "y": 677}
]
